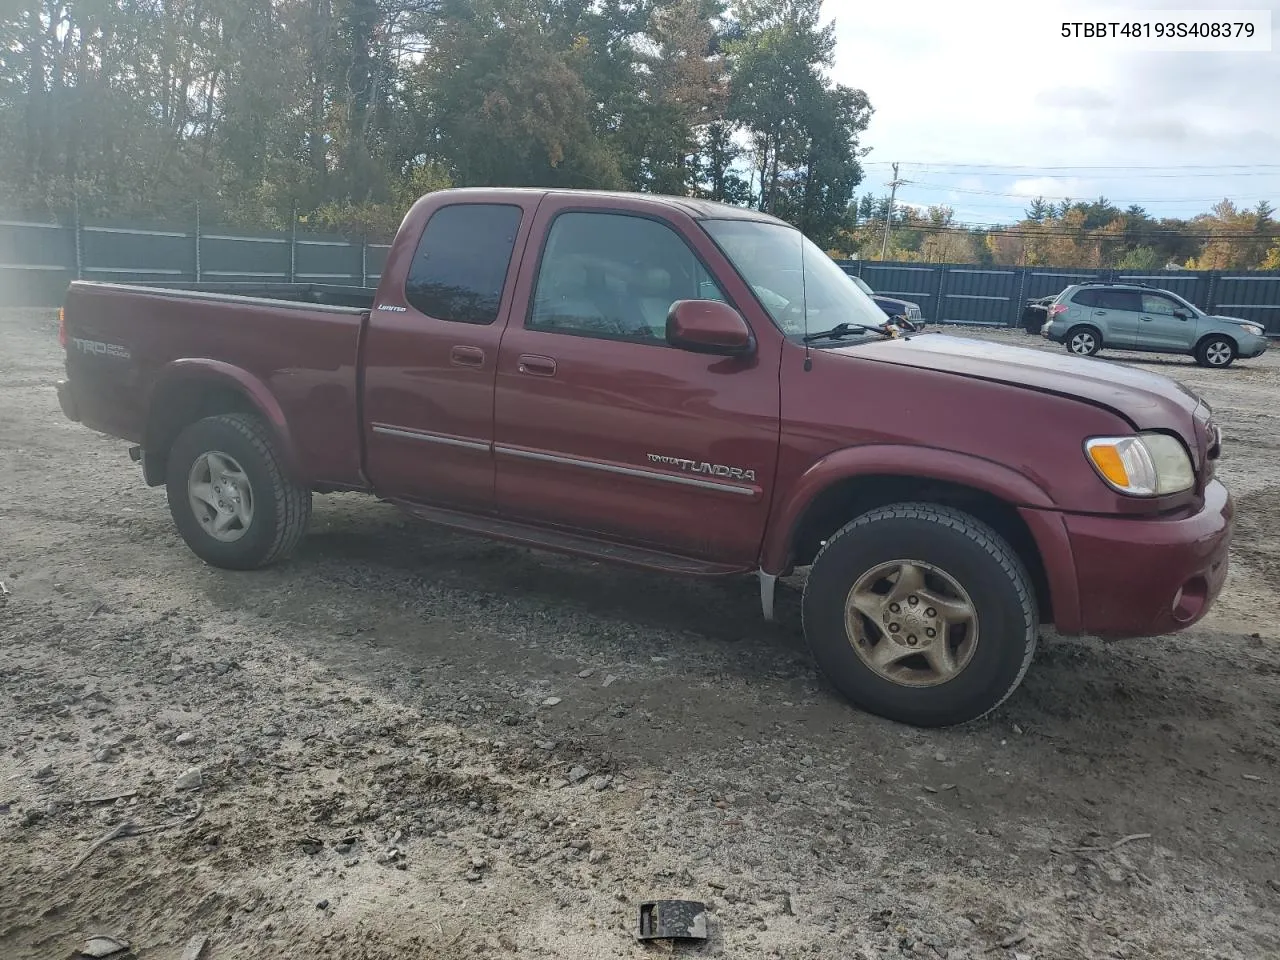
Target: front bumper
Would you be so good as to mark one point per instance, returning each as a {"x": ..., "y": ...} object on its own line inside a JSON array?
[
  {"x": 1251, "y": 347},
  {"x": 67, "y": 401},
  {"x": 1146, "y": 577}
]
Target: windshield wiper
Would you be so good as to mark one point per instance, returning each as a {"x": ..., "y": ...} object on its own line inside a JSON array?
[{"x": 844, "y": 330}]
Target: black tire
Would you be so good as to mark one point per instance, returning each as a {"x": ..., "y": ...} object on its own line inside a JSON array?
[
  {"x": 1216, "y": 352},
  {"x": 1083, "y": 341},
  {"x": 281, "y": 508},
  {"x": 970, "y": 553}
]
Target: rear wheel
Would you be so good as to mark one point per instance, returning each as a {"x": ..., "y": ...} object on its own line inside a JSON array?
[
  {"x": 1216, "y": 351},
  {"x": 921, "y": 614},
  {"x": 1083, "y": 341},
  {"x": 230, "y": 497}
]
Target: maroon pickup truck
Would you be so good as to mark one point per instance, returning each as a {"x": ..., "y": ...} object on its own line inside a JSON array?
[{"x": 686, "y": 387}]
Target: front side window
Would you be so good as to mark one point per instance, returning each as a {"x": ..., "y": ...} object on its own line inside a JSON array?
[
  {"x": 1154, "y": 303},
  {"x": 460, "y": 267},
  {"x": 615, "y": 276},
  {"x": 802, "y": 288}
]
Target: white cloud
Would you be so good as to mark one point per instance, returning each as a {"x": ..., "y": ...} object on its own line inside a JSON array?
[
  {"x": 1051, "y": 187},
  {"x": 979, "y": 84}
]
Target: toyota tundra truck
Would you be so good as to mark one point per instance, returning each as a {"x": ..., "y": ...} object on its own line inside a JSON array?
[{"x": 685, "y": 387}]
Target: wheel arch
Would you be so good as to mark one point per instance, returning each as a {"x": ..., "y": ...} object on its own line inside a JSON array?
[
  {"x": 1213, "y": 334},
  {"x": 853, "y": 482},
  {"x": 190, "y": 390}
]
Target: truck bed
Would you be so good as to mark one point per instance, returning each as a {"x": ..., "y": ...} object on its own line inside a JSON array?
[
  {"x": 294, "y": 356},
  {"x": 332, "y": 295}
]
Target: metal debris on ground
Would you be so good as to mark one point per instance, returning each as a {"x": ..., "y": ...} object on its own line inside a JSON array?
[
  {"x": 131, "y": 829},
  {"x": 103, "y": 946},
  {"x": 673, "y": 920}
]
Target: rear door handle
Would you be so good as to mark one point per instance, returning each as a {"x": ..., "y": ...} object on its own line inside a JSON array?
[
  {"x": 1099, "y": 313},
  {"x": 467, "y": 356},
  {"x": 1146, "y": 319},
  {"x": 536, "y": 366}
]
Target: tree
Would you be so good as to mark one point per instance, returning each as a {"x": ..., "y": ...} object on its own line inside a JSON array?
[
  {"x": 1039, "y": 211},
  {"x": 1140, "y": 258},
  {"x": 804, "y": 131}
]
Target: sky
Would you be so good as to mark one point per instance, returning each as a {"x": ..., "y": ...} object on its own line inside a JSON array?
[{"x": 985, "y": 106}]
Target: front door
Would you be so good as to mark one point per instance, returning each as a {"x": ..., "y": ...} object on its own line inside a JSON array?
[
  {"x": 1159, "y": 328},
  {"x": 603, "y": 427},
  {"x": 431, "y": 351}
]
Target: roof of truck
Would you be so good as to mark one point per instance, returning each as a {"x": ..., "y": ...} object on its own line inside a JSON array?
[{"x": 692, "y": 206}]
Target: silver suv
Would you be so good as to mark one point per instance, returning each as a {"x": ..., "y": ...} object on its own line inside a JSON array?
[{"x": 1087, "y": 317}]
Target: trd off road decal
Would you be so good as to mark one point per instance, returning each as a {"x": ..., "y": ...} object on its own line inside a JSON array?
[{"x": 98, "y": 348}]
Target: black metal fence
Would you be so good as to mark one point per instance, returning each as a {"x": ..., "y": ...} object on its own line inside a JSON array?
[
  {"x": 38, "y": 260},
  {"x": 994, "y": 296}
]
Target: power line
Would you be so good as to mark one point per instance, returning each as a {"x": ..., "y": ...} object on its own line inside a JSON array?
[
  {"x": 1088, "y": 234},
  {"x": 1021, "y": 167},
  {"x": 1024, "y": 198}
]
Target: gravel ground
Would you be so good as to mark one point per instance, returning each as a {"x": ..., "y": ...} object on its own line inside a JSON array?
[{"x": 412, "y": 744}]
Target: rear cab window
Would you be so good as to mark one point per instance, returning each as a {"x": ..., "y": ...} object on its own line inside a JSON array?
[{"x": 459, "y": 269}]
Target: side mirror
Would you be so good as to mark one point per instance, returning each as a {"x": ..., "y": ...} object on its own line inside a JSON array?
[
  {"x": 708, "y": 326},
  {"x": 1182, "y": 315}
]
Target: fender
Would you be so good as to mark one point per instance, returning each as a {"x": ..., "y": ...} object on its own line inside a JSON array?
[
  {"x": 926, "y": 463},
  {"x": 180, "y": 373}
]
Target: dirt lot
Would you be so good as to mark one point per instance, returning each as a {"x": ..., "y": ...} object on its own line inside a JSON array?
[{"x": 418, "y": 745}]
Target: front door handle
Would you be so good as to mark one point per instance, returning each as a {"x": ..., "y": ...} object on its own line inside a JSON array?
[
  {"x": 1146, "y": 319},
  {"x": 467, "y": 356},
  {"x": 536, "y": 366}
]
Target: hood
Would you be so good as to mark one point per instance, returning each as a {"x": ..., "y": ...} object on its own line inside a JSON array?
[
  {"x": 1239, "y": 320},
  {"x": 1147, "y": 400}
]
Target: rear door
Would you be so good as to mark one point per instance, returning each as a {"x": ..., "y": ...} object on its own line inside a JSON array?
[
  {"x": 1160, "y": 329},
  {"x": 431, "y": 351},
  {"x": 1115, "y": 313},
  {"x": 603, "y": 427}
]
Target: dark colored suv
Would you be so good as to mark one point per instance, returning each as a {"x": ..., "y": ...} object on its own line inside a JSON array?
[{"x": 892, "y": 306}]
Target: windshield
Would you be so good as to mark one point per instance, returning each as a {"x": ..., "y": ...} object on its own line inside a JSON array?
[
  {"x": 862, "y": 285},
  {"x": 802, "y": 288}
]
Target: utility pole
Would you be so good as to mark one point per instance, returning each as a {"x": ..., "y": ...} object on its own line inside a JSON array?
[{"x": 893, "y": 185}]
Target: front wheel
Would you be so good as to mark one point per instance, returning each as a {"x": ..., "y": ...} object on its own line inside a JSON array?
[
  {"x": 1217, "y": 351},
  {"x": 230, "y": 496},
  {"x": 921, "y": 614}
]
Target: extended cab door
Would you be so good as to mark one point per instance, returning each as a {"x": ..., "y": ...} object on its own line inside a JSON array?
[
  {"x": 600, "y": 425},
  {"x": 431, "y": 350}
]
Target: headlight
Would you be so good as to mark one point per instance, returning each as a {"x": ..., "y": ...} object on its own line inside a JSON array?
[
  {"x": 1250, "y": 328},
  {"x": 1147, "y": 465}
]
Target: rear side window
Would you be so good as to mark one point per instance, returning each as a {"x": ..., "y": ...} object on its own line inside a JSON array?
[
  {"x": 1086, "y": 298},
  {"x": 460, "y": 267},
  {"x": 1128, "y": 300}
]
